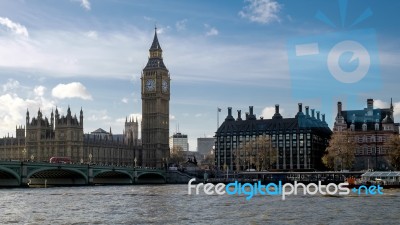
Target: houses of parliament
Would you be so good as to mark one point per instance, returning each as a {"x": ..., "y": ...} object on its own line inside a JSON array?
[{"x": 63, "y": 135}]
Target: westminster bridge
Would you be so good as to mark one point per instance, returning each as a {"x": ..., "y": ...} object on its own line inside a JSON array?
[{"x": 16, "y": 173}]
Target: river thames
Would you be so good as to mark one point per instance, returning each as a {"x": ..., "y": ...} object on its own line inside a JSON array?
[{"x": 171, "y": 204}]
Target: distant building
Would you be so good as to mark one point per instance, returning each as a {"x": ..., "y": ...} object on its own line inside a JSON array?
[
  {"x": 62, "y": 136},
  {"x": 179, "y": 140},
  {"x": 205, "y": 145},
  {"x": 298, "y": 142},
  {"x": 371, "y": 128}
]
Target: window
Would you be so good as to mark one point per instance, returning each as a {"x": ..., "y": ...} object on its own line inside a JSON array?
[
  {"x": 364, "y": 127},
  {"x": 368, "y": 150},
  {"x": 360, "y": 151}
]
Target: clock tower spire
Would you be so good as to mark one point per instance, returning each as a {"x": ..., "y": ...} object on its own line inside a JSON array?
[{"x": 155, "y": 108}]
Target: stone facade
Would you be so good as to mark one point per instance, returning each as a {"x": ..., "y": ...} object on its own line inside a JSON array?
[
  {"x": 298, "y": 143},
  {"x": 155, "y": 108},
  {"x": 62, "y": 136},
  {"x": 371, "y": 128}
]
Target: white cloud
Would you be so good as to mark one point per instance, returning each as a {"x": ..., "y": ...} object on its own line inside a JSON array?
[
  {"x": 71, "y": 90},
  {"x": 124, "y": 55},
  {"x": 384, "y": 105},
  {"x": 85, "y": 4},
  {"x": 198, "y": 115},
  {"x": 162, "y": 30},
  {"x": 211, "y": 31},
  {"x": 181, "y": 25},
  {"x": 13, "y": 108},
  {"x": 97, "y": 115},
  {"x": 10, "y": 85},
  {"x": 380, "y": 104},
  {"x": 125, "y": 100},
  {"x": 261, "y": 11},
  {"x": 92, "y": 34},
  {"x": 269, "y": 111},
  {"x": 171, "y": 117},
  {"x": 39, "y": 90},
  {"x": 14, "y": 27}
]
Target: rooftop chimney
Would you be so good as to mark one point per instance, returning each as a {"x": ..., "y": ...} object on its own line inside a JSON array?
[
  {"x": 277, "y": 115},
  {"x": 370, "y": 103},
  {"x": 229, "y": 117},
  {"x": 300, "y": 107},
  {"x": 312, "y": 113},
  {"x": 251, "y": 116},
  {"x": 339, "y": 108},
  {"x": 307, "y": 111},
  {"x": 318, "y": 115},
  {"x": 323, "y": 118},
  {"x": 239, "y": 115}
]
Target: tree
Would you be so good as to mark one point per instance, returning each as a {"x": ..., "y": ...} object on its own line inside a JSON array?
[
  {"x": 209, "y": 160},
  {"x": 266, "y": 153},
  {"x": 393, "y": 149},
  {"x": 257, "y": 153},
  {"x": 177, "y": 155},
  {"x": 341, "y": 151}
]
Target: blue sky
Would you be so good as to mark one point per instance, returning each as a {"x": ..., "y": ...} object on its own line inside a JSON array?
[{"x": 90, "y": 54}]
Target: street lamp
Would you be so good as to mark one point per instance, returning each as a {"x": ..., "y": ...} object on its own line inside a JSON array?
[
  {"x": 135, "y": 160},
  {"x": 90, "y": 158},
  {"x": 32, "y": 157},
  {"x": 376, "y": 151},
  {"x": 24, "y": 152}
]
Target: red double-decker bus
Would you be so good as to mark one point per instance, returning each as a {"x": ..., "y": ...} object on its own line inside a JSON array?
[{"x": 65, "y": 160}]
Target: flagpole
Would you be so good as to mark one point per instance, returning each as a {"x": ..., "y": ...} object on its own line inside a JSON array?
[{"x": 218, "y": 110}]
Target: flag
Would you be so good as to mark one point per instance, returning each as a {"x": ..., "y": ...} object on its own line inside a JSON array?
[{"x": 219, "y": 109}]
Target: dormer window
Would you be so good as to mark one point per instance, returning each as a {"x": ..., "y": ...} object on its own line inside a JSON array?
[
  {"x": 364, "y": 127},
  {"x": 376, "y": 126}
]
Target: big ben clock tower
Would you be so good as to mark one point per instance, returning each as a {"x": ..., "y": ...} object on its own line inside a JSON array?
[{"x": 155, "y": 108}]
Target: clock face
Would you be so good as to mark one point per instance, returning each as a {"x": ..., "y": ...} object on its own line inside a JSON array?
[
  {"x": 164, "y": 86},
  {"x": 150, "y": 85}
]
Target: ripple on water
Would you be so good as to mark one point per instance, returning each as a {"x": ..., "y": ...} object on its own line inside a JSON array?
[{"x": 171, "y": 204}]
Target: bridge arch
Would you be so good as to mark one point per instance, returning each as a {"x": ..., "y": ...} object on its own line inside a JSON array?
[
  {"x": 57, "y": 176},
  {"x": 151, "y": 178},
  {"x": 112, "y": 177},
  {"x": 9, "y": 177}
]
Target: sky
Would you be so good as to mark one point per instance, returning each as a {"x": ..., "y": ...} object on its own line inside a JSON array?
[{"x": 230, "y": 53}]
